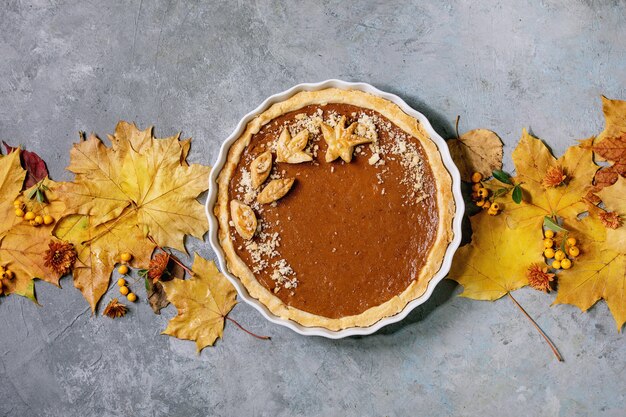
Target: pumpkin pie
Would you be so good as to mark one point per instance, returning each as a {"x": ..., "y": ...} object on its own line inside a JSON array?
[{"x": 334, "y": 208}]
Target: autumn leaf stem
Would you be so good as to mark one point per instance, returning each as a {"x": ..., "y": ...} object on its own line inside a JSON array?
[
  {"x": 246, "y": 330},
  {"x": 541, "y": 332},
  {"x": 179, "y": 263}
]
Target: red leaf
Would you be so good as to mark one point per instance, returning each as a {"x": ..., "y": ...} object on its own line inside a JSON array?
[{"x": 35, "y": 167}]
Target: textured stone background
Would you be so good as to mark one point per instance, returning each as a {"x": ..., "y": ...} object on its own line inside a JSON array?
[{"x": 198, "y": 67}]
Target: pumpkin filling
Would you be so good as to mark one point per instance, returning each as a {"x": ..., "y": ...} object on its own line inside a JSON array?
[{"x": 331, "y": 237}]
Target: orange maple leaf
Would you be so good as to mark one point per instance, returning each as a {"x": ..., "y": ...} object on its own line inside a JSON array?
[{"x": 611, "y": 143}]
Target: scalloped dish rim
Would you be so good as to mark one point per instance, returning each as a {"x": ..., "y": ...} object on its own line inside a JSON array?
[{"x": 456, "y": 224}]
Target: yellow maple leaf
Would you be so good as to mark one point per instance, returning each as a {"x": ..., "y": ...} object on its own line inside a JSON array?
[
  {"x": 98, "y": 248},
  {"x": 11, "y": 180},
  {"x": 614, "y": 117},
  {"x": 12, "y": 175},
  {"x": 614, "y": 199},
  {"x": 533, "y": 162},
  {"x": 124, "y": 196},
  {"x": 22, "y": 246},
  {"x": 202, "y": 302},
  {"x": 141, "y": 175},
  {"x": 496, "y": 261},
  {"x": 128, "y": 135},
  {"x": 598, "y": 273}
]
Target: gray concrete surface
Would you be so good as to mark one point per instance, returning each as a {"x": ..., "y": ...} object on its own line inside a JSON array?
[{"x": 198, "y": 67}]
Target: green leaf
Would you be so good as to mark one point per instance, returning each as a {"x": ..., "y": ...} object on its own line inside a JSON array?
[
  {"x": 502, "y": 176},
  {"x": 499, "y": 192},
  {"x": 517, "y": 194},
  {"x": 40, "y": 196},
  {"x": 147, "y": 283},
  {"x": 31, "y": 195},
  {"x": 548, "y": 223}
]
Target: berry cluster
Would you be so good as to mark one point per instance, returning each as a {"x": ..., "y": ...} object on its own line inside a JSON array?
[
  {"x": 123, "y": 269},
  {"x": 31, "y": 217},
  {"x": 480, "y": 195},
  {"x": 566, "y": 251},
  {"x": 5, "y": 273}
]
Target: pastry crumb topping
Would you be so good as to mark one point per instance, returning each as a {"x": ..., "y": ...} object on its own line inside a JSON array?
[
  {"x": 308, "y": 122},
  {"x": 245, "y": 188},
  {"x": 373, "y": 159},
  {"x": 283, "y": 276},
  {"x": 264, "y": 253},
  {"x": 367, "y": 127},
  {"x": 413, "y": 164},
  {"x": 333, "y": 119},
  {"x": 263, "y": 248}
]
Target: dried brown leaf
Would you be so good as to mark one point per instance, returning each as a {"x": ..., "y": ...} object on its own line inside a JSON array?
[{"x": 479, "y": 150}]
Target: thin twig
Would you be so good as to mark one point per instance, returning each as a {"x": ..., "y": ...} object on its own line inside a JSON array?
[
  {"x": 456, "y": 125},
  {"x": 179, "y": 263},
  {"x": 547, "y": 339},
  {"x": 247, "y": 331}
]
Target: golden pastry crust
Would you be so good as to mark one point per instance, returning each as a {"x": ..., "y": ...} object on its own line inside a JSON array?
[{"x": 445, "y": 206}]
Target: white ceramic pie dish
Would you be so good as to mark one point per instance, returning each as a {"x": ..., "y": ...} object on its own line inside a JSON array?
[{"x": 456, "y": 225}]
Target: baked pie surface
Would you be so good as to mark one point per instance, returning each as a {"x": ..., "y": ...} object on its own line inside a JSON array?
[{"x": 334, "y": 208}]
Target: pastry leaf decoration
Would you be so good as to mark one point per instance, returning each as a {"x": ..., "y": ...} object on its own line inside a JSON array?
[
  {"x": 291, "y": 149},
  {"x": 341, "y": 140}
]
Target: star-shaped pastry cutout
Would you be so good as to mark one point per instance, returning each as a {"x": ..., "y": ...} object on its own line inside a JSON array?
[
  {"x": 291, "y": 150},
  {"x": 341, "y": 141}
]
